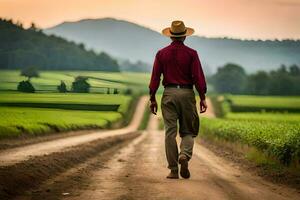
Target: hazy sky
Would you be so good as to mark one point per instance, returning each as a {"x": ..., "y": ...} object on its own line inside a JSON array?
[{"x": 263, "y": 19}]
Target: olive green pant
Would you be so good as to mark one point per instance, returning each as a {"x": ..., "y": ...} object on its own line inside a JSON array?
[{"x": 179, "y": 107}]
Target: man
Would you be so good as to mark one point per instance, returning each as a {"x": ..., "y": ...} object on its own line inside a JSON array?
[{"x": 181, "y": 69}]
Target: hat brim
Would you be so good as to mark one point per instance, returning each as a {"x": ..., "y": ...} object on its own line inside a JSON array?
[{"x": 167, "y": 32}]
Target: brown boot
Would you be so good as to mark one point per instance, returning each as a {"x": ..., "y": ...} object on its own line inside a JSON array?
[
  {"x": 173, "y": 174},
  {"x": 184, "y": 169}
]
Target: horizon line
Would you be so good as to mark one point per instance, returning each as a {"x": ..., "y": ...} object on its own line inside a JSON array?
[{"x": 147, "y": 27}]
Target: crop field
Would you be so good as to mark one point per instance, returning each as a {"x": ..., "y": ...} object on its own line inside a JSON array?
[
  {"x": 274, "y": 117},
  {"x": 99, "y": 81},
  {"x": 278, "y": 140},
  {"x": 276, "y": 134},
  {"x": 49, "y": 111},
  {"x": 91, "y": 101},
  {"x": 245, "y": 103},
  {"x": 35, "y": 121},
  {"x": 22, "y": 113}
]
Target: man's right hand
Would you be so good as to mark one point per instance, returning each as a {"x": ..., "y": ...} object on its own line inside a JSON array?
[
  {"x": 153, "y": 107},
  {"x": 203, "y": 106}
]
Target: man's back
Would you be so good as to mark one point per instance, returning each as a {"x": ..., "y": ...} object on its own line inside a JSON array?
[
  {"x": 179, "y": 65},
  {"x": 176, "y": 62}
]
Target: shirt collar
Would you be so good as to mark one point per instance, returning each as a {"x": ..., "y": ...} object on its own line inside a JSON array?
[{"x": 177, "y": 42}]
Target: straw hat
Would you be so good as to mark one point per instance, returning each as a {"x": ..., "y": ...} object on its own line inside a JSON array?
[{"x": 177, "y": 29}]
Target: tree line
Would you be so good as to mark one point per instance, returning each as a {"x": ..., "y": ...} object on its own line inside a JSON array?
[
  {"x": 232, "y": 78},
  {"x": 22, "y": 48}
]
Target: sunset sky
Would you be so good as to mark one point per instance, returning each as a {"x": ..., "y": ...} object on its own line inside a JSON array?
[{"x": 251, "y": 19}]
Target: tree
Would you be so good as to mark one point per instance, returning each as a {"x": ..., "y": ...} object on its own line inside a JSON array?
[
  {"x": 30, "y": 72},
  {"x": 258, "y": 83},
  {"x": 81, "y": 85},
  {"x": 294, "y": 70},
  {"x": 281, "y": 82},
  {"x": 230, "y": 78},
  {"x": 25, "y": 86},
  {"x": 21, "y": 47},
  {"x": 33, "y": 27},
  {"x": 116, "y": 91},
  {"x": 62, "y": 87}
]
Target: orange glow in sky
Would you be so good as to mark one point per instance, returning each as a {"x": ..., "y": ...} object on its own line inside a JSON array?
[{"x": 258, "y": 19}]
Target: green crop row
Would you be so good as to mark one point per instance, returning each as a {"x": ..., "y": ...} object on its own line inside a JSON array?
[
  {"x": 73, "y": 100},
  {"x": 266, "y": 117},
  {"x": 35, "y": 121},
  {"x": 245, "y": 103},
  {"x": 38, "y": 113},
  {"x": 277, "y": 140}
]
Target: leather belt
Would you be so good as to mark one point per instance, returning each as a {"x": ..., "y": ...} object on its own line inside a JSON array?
[{"x": 179, "y": 86}]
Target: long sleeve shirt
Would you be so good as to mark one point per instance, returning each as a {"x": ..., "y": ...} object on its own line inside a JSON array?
[{"x": 179, "y": 65}]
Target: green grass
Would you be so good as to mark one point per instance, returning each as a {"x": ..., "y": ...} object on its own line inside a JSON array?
[
  {"x": 266, "y": 101},
  {"x": 38, "y": 113},
  {"x": 36, "y": 121},
  {"x": 99, "y": 81},
  {"x": 16, "y": 121},
  {"x": 67, "y": 98},
  {"x": 278, "y": 140},
  {"x": 269, "y": 124},
  {"x": 245, "y": 103},
  {"x": 276, "y": 134},
  {"x": 145, "y": 120},
  {"x": 268, "y": 117}
]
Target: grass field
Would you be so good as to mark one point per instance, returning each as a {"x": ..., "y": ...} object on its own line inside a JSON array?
[
  {"x": 48, "y": 111},
  {"x": 67, "y": 98},
  {"x": 245, "y": 103},
  {"x": 36, "y": 121},
  {"x": 32, "y": 120},
  {"x": 99, "y": 81},
  {"x": 271, "y": 131},
  {"x": 277, "y": 140},
  {"x": 274, "y": 117}
]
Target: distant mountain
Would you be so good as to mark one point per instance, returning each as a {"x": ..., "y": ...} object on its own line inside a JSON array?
[
  {"x": 127, "y": 40},
  {"x": 20, "y": 48}
]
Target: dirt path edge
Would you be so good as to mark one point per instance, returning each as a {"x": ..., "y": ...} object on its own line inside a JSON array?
[{"x": 18, "y": 178}]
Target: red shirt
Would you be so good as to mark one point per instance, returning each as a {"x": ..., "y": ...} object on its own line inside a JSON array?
[{"x": 180, "y": 65}]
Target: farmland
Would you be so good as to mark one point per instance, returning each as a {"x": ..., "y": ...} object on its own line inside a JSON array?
[
  {"x": 48, "y": 111},
  {"x": 99, "y": 81},
  {"x": 52, "y": 112},
  {"x": 276, "y": 134},
  {"x": 91, "y": 101},
  {"x": 36, "y": 121},
  {"x": 244, "y": 103}
]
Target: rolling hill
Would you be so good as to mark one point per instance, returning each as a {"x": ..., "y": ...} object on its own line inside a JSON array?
[
  {"x": 20, "y": 48},
  {"x": 124, "y": 39}
]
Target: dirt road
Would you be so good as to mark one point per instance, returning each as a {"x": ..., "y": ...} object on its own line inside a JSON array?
[{"x": 138, "y": 170}]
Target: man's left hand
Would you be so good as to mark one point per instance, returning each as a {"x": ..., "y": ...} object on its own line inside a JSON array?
[{"x": 153, "y": 107}]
